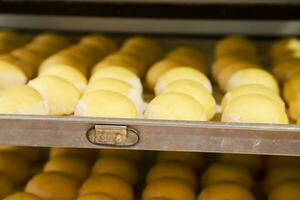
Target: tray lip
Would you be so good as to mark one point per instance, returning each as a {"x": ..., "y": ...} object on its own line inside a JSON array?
[
  {"x": 150, "y": 122},
  {"x": 158, "y": 135}
]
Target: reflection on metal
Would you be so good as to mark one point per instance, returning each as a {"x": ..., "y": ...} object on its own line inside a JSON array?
[
  {"x": 113, "y": 135},
  {"x": 154, "y": 135}
]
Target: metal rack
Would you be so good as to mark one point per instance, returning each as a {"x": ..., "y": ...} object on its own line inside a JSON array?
[{"x": 149, "y": 134}]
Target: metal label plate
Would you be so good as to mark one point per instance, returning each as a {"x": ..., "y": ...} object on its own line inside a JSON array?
[{"x": 113, "y": 135}]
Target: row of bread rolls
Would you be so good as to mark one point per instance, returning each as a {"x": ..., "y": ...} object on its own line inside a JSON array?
[
  {"x": 136, "y": 54},
  {"x": 233, "y": 53},
  {"x": 63, "y": 76},
  {"x": 291, "y": 94},
  {"x": 173, "y": 176},
  {"x": 20, "y": 98},
  {"x": 282, "y": 180},
  {"x": 20, "y": 65},
  {"x": 183, "y": 92},
  {"x": 61, "y": 175},
  {"x": 181, "y": 56},
  {"x": 16, "y": 166},
  {"x": 252, "y": 93},
  {"x": 115, "y": 88},
  {"x": 285, "y": 55},
  {"x": 225, "y": 180},
  {"x": 229, "y": 177},
  {"x": 70, "y": 174},
  {"x": 113, "y": 176}
]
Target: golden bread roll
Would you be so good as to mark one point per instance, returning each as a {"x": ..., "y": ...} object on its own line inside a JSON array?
[
  {"x": 225, "y": 190},
  {"x": 118, "y": 166},
  {"x": 53, "y": 185},
  {"x": 87, "y": 154},
  {"x": 69, "y": 164},
  {"x": 289, "y": 189},
  {"x": 14, "y": 166},
  {"x": 175, "y": 106},
  {"x": 226, "y": 172},
  {"x": 172, "y": 169},
  {"x": 108, "y": 184},
  {"x": 193, "y": 160},
  {"x": 22, "y": 196},
  {"x": 171, "y": 188}
]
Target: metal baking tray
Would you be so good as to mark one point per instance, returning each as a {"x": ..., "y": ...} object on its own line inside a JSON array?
[
  {"x": 70, "y": 131},
  {"x": 46, "y": 131}
]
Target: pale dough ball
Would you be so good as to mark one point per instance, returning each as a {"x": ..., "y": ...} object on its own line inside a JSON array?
[
  {"x": 175, "y": 106},
  {"x": 158, "y": 69},
  {"x": 124, "y": 60},
  {"x": 119, "y": 73},
  {"x": 103, "y": 103},
  {"x": 254, "y": 108},
  {"x": 182, "y": 73},
  {"x": 227, "y": 72},
  {"x": 251, "y": 89},
  {"x": 197, "y": 91},
  {"x": 253, "y": 76},
  {"x": 121, "y": 87},
  {"x": 61, "y": 96},
  {"x": 68, "y": 73},
  {"x": 22, "y": 100},
  {"x": 220, "y": 63},
  {"x": 63, "y": 58},
  {"x": 11, "y": 74}
]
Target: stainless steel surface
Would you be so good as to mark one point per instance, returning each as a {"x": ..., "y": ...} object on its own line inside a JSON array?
[
  {"x": 113, "y": 135},
  {"x": 119, "y": 25},
  {"x": 154, "y": 135}
]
